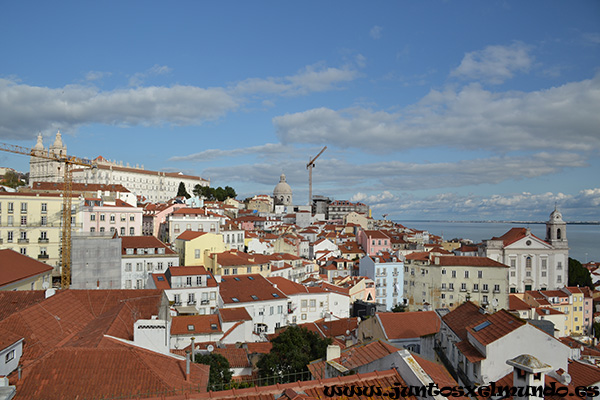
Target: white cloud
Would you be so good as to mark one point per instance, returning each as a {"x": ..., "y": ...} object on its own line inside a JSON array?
[
  {"x": 558, "y": 118},
  {"x": 138, "y": 78},
  {"x": 266, "y": 150},
  {"x": 96, "y": 75},
  {"x": 495, "y": 64},
  {"x": 26, "y": 110},
  {"x": 375, "y": 32},
  {"x": 313, "y": 78}
]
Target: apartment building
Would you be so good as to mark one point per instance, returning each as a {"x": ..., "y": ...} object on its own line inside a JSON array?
[
  {"x": 447, "y": 281},
  {"x": 30, "y": 224},
  {"x": 387, "y": 271},
  {"x": 98, "y": 215}
]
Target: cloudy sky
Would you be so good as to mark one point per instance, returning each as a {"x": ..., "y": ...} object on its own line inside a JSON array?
[{"x": 429, "y": 110}]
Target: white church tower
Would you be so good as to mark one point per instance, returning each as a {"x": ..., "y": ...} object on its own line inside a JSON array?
[
  {"x": 556, "y": 231},
  {"x": 42, "y": 169}
]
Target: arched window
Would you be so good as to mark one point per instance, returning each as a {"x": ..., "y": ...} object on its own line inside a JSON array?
[
  {"x": 528, "y": 263},
  {"x": 558, "y": 234}
]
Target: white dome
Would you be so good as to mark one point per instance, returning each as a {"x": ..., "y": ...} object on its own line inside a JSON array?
[{"x": 282, "y": 188}]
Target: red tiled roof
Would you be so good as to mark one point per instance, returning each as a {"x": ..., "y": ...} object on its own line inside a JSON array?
[
  {"x": 437, "y": 372},
  {"x": 259, "y": 347},
  {"x": 79, "y": 187},
  {"x": 468, "y": 261},
  {"x": 376, "y": 234},
  {"x": 16, "y": 266},
  {"x": 12, "y": 301},
  {"x": 311, "y": 389},
  {"x": 501, "y": 323},
  {"x": 195, "y": 324},
  {"x": 409, "y": 324},
  {"x": 355, "y": 356},
  {"x": 462, "y": 316},
  {"x": 188, "y": 270},
  {"x": 160, "y": 281},
  {"x": 238, "y": 358},
  {"x": 143, "y": 242},
  {"x": 418, "y": 256},
  {"x": 234, "y": 314},
  {"x": 513, "y": 235},
  {"x": 583, "y": 374},
  {"x": 516, "y": 303},
  {"x": 115, "y": 370},
  {"x": 469, "y": 351},
  {"x": 8, "y": 338},
  {"x": 244, "y": 287},
  {"x": 190, "y": 235}
]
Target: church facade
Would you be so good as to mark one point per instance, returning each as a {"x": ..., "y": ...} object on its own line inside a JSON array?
[
  {"x": 155, "y": 186},
  {"x": 534, "y": 264}
]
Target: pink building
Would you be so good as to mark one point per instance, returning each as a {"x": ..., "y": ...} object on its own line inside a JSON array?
[
  {"x": 120, "y": 217},
  {"x": 372, "y": 242}
]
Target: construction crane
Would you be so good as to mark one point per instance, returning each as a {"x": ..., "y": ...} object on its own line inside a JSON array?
[
  {"x": 309, "y": 167},
  {"x": 67, "y": 161}
]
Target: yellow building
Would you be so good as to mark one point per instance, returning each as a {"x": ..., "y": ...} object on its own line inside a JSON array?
[
  {"x": 30, "y": 224},
  {"x": 19, "y": 272},
  {"x": 194, "y": 246},
  {"x": 234, "y": 262}
]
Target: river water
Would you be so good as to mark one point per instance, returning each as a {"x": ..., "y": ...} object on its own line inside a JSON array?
[{"x": 584, "y": 240}]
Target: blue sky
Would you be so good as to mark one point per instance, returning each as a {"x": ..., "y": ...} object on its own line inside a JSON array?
[{"x": 429, "y": 110}]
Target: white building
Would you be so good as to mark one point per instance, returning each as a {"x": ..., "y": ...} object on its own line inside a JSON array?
[
  {"x": 120, "y": 217},
  {"x": 478, "y": 345},
  {"x": 193, "y": 219},
  {"x": 266, "y": 304},
  {"x": 154, "y": 185},
  {"x": 535, "y": 264},
  {"x": 190, "y": 290},
  {"x": 309, "y": 304},
  {"x": 142, "y": 256}
]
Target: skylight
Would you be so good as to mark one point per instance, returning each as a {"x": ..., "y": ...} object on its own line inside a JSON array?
[
  {"x": 482, "y": 325},
  {"x": 254, "y": 297},
  {"x": 160, "y": 278},
  {"x": 235, "y": 299},
  {"x": 275, "y": 294},
  {"x": 236, "y": 278},
  {"x": 251, "y": 278},
  {"x": 190, "y": 327}
]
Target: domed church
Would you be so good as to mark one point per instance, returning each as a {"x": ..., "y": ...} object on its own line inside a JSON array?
[{"x": 282, "y": 192}]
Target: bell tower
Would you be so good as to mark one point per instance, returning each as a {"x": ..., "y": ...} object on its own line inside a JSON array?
[{"x": 556, "y": 230}]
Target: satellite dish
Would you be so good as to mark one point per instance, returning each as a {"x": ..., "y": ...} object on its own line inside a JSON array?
[
  {"x": 210, "y": 348},
  {"x": 566, "y": 378},
  {"x": 495, "y": 302},
  {"x": 45, "y": 285}
]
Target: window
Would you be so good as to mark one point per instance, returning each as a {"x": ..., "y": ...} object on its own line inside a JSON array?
[
  {"x": 24, "y": 235},
  {"x": 513, "y": 273},
  {"x": 139, "y": 284},
  {"x": 177, "y": 299},
  {"x": 102, "y": 217},
  {"x": 122, "y": 231},
  {"x": 131, "y": 231},
  {"x": 198, "y": 280},
  {"x": 10, "y": 207},
  {"x": 485, "y": 299},
  {"x": 559, "y": 265},
  {"x": 497, "y": 288},
  {"x": 443, "y": 286},
  {"x": 188, "y": 280},
  {"x": 127, "y": 267},
  {"x": 467, "y": 274},
  {"x": 559, "y": 278},
  {"x": 543, "y": 274},
  {"x": 128, "y": 284},
  {"x": 112, "y": 218},
  {"x": 23, "y": 219},
  {"x": 313, "y": 304},
  {"x": 139, "y": 266},
  {"x": 513, "y": 263},
  {"x": 485, "y": 287},
  {"x": 544, "y": 263},
  {"x": 191, "y": 298},
  {"x": 454, "y": 274},
  {"x": 451, "y": 286},
  {"x": 10, "y": 220},
  {"x": 101, "y": 229},
  {"x": 304, "y": 303},
  {"x": 463, "y": 287},
  {"x": 10, "y": 356},
  {"x": 23, "y": 207},
  {"x": 44, "y": 207},
  {"x": 149, "y": 266},
  {"x": 476, "y": 287},
  {"x": 528, "y": 262},
  {"x": 112, "y": 229},
  {"x": 197, "y": 253},
  {"x": 123, "y": 218},
  {"x": 159, "y": 266},
  {"x": 23, "y": 250},
  {"x": 132, "y": 217}
]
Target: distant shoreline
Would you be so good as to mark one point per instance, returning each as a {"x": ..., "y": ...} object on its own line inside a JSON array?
[{"x": 495, "y": 222}]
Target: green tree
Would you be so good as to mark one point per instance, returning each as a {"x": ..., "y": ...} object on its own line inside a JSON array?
[
  {"x": 292, "y": 351},
  {"x": 197, "y": 190},
  {"x": 220, "y": 194},
  {"x": 12, "y": 179},
  {"x": 399, "y": 308},
  {"x": 220, "y": 372},
  {"x": 182, "y": 192},
  {"x": 230, "y": 192},
  {"x": 579, "y": 275}
]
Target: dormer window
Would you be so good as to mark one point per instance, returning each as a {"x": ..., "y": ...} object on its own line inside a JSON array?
[
  {"x": 161, "y": 250},
  {"x": 191, "y": 328},
  {"x": 128, "y": 251}
]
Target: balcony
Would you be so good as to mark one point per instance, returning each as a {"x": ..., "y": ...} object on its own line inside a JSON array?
[
  {"x": 177, "y": 303},
  {"x": 204, "y": 302},
  {"x": 191, "y": 303},
  {"x": 23, "y": 241},
  {"x": 43, "y": 256},
  {"x": 43, "y": 240}
]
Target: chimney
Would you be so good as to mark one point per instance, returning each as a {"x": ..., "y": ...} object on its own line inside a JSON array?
[
  {"x": 187, "y": 365},
  {"x": 528, "y": 371},
  {"x": 333, "y": 351}
]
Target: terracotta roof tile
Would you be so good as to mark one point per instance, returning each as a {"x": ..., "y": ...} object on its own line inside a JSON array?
[
  {"x": 469, "y": 351},
  {"x": 195, "y": 324},
  {"x": 190, "y": 235},
  {"x": 468, "y": 261},
  {"x": 15, "y": 300},
  {"x": 143, "y": 242},
  {"x": 238, "y": 358},
  {"x": 583, "y": 374},
  {"x": 247, "y": 288},
  {"x": 234, "y": 314},
  {"x": 409, "y": 324},
  {"x": 16, "y": 266},
  {"x": 462, "y": 316},
  {"x": 498, "y": 325}
]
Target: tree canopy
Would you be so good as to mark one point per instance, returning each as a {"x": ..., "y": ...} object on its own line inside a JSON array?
[
  {"x": 219, "y": 194},
  {"x": 12, "y": 179},
  {"x": 181, "y": 191},
  {"x": 220, "y": 372},
  {"x": 579, "y": 275},
  {"x": 292, "y": 351}
]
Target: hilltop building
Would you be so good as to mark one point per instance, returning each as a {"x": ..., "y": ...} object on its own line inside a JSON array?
[
  {"x": 535, "y": 264},
  {"x": 282, "y": 193},
  {"x": 153, "y": 185}
]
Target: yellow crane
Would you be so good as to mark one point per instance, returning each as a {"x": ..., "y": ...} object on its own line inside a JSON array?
[
  {"x": 67, "y": 161},
  {"x": 309, "y": 167}
]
